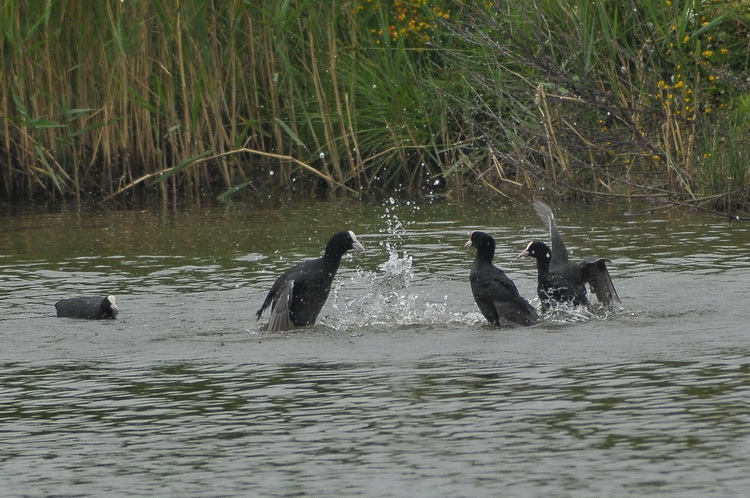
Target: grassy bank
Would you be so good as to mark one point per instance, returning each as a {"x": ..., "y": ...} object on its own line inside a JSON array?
[{"x": 116, "y": 101}]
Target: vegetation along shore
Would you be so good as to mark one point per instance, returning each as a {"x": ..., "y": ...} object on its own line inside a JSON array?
[{"x": 116, "y": 101}]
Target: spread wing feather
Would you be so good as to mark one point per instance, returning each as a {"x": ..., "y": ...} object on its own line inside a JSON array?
[
  {"x": 595, "y": 273},
  {"x": 280, "y": 319},
  {"x": 547, "y": 217}
]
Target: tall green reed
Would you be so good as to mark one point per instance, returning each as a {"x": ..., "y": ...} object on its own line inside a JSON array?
[
  {"x": 121, "y": 100},
  {"x": 598, "y": 98}
]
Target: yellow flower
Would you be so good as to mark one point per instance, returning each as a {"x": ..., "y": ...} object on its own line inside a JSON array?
[
  {"x": 724, "y": 51},
  {"x": 707, "y": 155},
  {"x": 708, "y": 53},
  {"x": 707, "y": 110}
]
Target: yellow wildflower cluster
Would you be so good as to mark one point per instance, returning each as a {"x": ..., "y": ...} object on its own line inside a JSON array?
[
  {"x": 698, "y": 53},
  {"x": 411, "y": 21},
  {"x": 676, "y": 96}
]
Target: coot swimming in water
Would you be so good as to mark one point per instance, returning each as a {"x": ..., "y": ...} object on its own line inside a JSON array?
[
  {"x": 560, "y": 280},
  {"x": 299, "y": 294},
  {"x": 90, "y": 307},
  {"x": 496, "y": 294}
]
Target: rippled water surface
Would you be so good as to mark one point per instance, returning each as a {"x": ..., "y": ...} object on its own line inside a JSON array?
[{"x": 400, "y": 389}]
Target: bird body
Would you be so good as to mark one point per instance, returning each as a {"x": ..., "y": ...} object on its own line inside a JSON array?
[
  {"x": 88, "y": 307},
  {"x": 495, "y": 294},
  {"x": 560, "y": 280},
  {"x": 299, "y": 294}
]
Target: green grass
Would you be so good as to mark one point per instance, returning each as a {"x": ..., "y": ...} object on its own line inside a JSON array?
[{"x": 123, "y": 101}]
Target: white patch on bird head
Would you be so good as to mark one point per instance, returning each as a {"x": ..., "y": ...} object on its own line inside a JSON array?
[
  {"x": 469, "y": 242},
  {"x": 112, "y": 301},
  {"x": 356, "y": 245},
  {"x": 525, "y": 252}
]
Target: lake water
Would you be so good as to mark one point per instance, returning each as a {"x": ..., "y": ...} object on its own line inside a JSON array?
[{"x": 400, "y": 389}]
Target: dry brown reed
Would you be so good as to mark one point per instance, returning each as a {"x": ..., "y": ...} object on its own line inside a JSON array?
[{"x": 118, "y": 101}]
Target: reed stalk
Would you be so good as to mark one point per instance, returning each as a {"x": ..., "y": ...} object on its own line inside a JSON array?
[{"x": 123, "y": 101}]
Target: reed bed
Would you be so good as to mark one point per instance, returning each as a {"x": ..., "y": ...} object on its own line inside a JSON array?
[{"x": 118, "y": 101}]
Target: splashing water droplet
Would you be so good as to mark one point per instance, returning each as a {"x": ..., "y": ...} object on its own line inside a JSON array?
[{"x": 386, "y": 297}]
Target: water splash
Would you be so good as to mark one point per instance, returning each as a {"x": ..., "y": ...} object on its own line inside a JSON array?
[
  {"x": 567, "y": 313},
  {"x": 385, "y": 297},
  {"x": 563, "y": 314},
  {"x": 388, "y": 297},
  {"x": 394, "y": 227},
  {"x": 392, "y": 296}
]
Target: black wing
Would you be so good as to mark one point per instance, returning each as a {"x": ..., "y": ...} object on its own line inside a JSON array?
[
  {"x": 288, "y": 276},
  {"x": 280, "y": 319},
  {"x": 270, "y": 298},
  {"x": 594, "y": 272},
  {"x": 547, "y": 217},
  {"x": 508, "y": 302}
]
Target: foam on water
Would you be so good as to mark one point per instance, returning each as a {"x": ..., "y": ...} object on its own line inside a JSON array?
[
  {"x": 387, "y": 296},
  {"x": 567, "y": 313}
]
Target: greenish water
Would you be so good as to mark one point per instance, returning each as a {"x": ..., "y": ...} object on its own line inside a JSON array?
[{"x": 400, "y": 389}]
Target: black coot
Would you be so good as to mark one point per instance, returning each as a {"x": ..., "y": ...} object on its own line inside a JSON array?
[
  {"x": 496, "y": 294},
  {"x": 560, "y": 280},
  {"x": 90, "y": 307},
  {"x": 299, "y": 294}
]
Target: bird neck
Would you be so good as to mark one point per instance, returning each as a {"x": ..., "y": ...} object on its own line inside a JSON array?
[
  {"x": 332, "y": 258},
  {"x": 542, "y": 266},
  {"x": 485, "y": 255}
]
